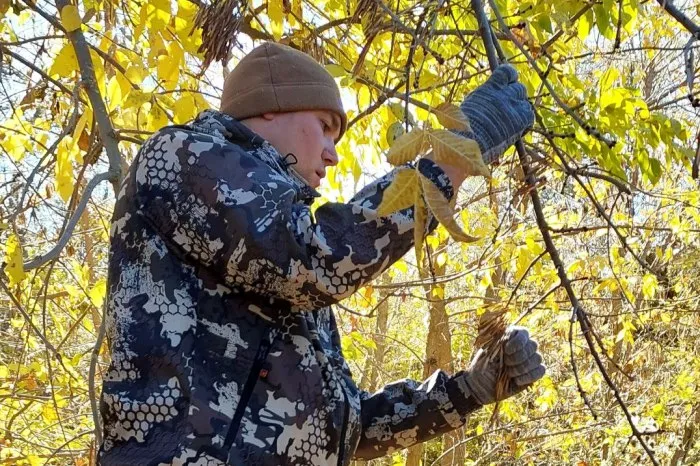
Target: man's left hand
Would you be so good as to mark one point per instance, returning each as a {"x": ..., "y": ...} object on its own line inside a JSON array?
[{"x": 522, "y": 363}]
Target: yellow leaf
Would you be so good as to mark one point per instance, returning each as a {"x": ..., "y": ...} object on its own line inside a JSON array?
[
  {"x": 185, "y": 109},
  {"x": 65, "y": 62},
  {"x": 401, "y": 192},
  {"x": 406, "y": 147},
  {"x": 451, "y": 117},
  {"x": 420, "y": 216},
  {"x": 14, "y": 263},
  {"x": 649, "y": 286},
  {"x": 98, "y": 292},
  {"x": 274, "y": 11},
  {"x": 156, "y": 118},
  {"x": 114, "y": 93},
  {"x": 84, "y": 122},
  {"x": 443, "y": 211},
  {"x": 336, "y": 71},
  {"x": 64, "y": 169},
  {"x": 49, "y": 413},
  {"x": 167, "y": 68},
  {"x": 70, "y": 18},
  {"x": 459, "y": 151},
  {"x": 15, "y": 146},
  {"x": 33, "y": 460}
]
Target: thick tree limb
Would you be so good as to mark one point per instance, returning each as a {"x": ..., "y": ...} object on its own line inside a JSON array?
[
  {"x": 104, "y": 124},
  {"x": 671, "y": 9},
  {"x": 104, "y": 128}
]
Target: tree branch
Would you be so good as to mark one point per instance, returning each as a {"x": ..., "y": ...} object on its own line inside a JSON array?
[
  {"x": 671, "y": 9},
  {"x": 104, "y": 124},
  {"x": 68, "y": 232},
  {"x": 533, "y": 64},
  {"x": 577, "y": 308}
]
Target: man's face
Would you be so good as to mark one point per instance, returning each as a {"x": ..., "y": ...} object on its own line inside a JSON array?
[{"x": 310, "y": 136}]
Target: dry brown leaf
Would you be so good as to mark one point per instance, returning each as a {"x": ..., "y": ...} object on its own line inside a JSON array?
[
  {"x": 451, "y": 117},
  {"x": 459, "y": 151},
  {"x": 420, "y": 217},
  {"x": 491, "y": 338},
  {"x": 443, "y": 211},
  {"x": 492, "y": 326},
  {"x": 401, "y": 192},
  {"x": 406, "y": 147}
]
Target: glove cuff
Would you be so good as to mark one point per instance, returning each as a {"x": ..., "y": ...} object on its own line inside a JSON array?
[{"x": 461, "y": 395}]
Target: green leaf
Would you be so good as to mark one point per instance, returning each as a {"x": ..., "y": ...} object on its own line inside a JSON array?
[{"x": 602, "y": 20}]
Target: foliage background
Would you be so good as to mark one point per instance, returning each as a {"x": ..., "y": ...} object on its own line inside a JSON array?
[{"x": 82, "y": 85}]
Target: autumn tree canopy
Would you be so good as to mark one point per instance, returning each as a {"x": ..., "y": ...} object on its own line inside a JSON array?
[{"x": 586, "y": 232}]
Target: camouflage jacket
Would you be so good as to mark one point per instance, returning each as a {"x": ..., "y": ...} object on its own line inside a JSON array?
[{"x": 224, "y": 347}]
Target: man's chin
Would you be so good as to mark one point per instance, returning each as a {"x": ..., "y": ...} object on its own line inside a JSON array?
[{"x": 316, "y": 181}]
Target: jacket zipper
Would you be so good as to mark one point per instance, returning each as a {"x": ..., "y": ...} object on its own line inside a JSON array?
[
  {"x": 343, "y": 431},
  {"x": 247, "y": 392}
]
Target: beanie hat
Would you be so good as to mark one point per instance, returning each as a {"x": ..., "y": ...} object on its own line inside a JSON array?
[{"x": 277, "y": 78}]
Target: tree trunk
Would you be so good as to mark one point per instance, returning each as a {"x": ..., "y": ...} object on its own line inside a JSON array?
[
  {"x": 370, "y": 374},
  {"x": 438, "y": 355}
]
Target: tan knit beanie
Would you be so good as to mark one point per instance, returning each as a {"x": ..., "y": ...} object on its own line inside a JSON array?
[{"x": 277, "y": 78}]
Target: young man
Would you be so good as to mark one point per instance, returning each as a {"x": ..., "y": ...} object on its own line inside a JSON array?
[{"x": 225, "y": 350}]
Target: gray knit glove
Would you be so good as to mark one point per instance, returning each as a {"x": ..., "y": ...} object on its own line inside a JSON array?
[
  {"x": 522, "y": 361},
  {"x": 498, "y": 112}
]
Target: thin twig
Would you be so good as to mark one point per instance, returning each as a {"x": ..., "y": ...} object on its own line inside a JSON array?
[
  {"x": 29, "y": 321},
  {"x": 94, "y": 357}
]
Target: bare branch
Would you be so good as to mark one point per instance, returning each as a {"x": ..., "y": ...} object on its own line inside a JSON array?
[
  {"x": 693, "y": 28},
  {"x": 68, "y": 232},
  {"x": 533, "y": 64},
  {"x": 5, "y": 51}
]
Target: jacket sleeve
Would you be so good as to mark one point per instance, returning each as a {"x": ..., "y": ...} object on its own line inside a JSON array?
[
  {"x": 405, "y": 413},
  {"x": 226, "y": 210}
]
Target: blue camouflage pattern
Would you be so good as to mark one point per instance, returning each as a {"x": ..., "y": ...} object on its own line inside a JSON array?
[{"x": 224, "y": 347}]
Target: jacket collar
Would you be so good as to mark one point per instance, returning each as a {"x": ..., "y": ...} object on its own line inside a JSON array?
[{"x": 222, "y": 125}]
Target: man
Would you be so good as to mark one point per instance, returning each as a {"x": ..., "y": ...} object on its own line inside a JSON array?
[{"x": 224, "y": 347}]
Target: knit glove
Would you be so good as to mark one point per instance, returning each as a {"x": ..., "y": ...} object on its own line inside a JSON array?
[
  {"x": 498, "y": 112},
  {"x": 522, "y": 362}
]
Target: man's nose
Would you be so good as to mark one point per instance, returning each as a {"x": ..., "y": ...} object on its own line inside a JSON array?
[{"x": 330, "y": 156}]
